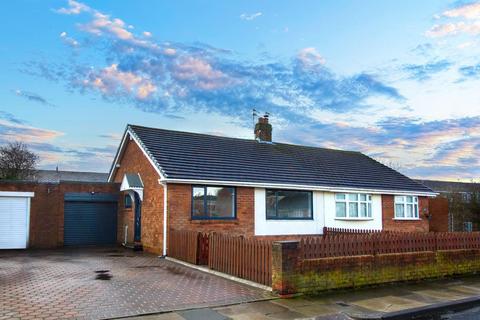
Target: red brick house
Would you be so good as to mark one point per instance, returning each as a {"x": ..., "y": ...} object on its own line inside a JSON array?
[{"x": 256, "y": 187}]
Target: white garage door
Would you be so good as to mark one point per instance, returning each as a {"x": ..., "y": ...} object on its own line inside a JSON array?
[{"x": 14, "y": 219}]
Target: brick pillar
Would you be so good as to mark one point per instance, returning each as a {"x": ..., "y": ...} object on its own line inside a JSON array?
[{"x": 285, "y": 260}]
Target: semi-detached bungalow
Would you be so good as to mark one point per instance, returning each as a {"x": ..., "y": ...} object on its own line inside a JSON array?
[{"x": 254, "y": 187}]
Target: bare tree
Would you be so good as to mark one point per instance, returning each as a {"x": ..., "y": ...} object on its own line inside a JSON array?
[{"x": 16, "y": 161}]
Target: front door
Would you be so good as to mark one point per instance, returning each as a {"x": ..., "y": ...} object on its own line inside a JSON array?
[{"x": 138, "y": 218}]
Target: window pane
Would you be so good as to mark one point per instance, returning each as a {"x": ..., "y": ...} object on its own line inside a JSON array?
[
  {"x": 399, "y": 199},
  {"x": 271, "y": 205},
  {"x": 369, "y": 198},
  {"x": 399, "y": 211},
  {"x": 363, "y": 210},
  {"x": 294, "y": 204},
  {"x": 353, "y": 209},
  {"x": 128, "y": 201},
  {"x": 340, "y": 196},
  {"x": 409, "y": 199},
  {"x": 369, "y": 210},
  {"x": 352, "y": 197},
  {"x": 198, "y": 197},
  {"x": 409, "y": 210},
  {"x": 415, "y": 199},
  {"x": 220, "y": 202},
  {"x": 363, "y": 197},
  {"x": 341, "y": 210},
  {"x": 415, "y": 211}
]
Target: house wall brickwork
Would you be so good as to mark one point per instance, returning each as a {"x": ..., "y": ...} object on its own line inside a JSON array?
[
  {"x": 439, "y": 210},
  {"x": 391, "y": 224},
  {"x": 47, "y": 207},
  {"x": 134, "y": 161},
  {"x": 180, "y": 210}
]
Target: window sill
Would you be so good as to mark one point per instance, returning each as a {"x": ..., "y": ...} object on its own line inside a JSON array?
[
  {"x": 407, "y": 219},
  {"x": 214, "y": 221},
  {"x": 354, "y": 219}
]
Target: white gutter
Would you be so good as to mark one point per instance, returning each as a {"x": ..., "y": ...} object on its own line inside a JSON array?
[
  {"x": 300, "y": 187},
  {"x": 165, "y": 190}
]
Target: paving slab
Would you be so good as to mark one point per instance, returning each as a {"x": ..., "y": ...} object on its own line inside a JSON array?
[
  {"x": 107, "y": 283},
  {"x": 202, "y": 314}
]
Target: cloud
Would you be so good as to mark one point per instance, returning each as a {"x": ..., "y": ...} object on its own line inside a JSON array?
[
  {"x": 310, "y": 57},
  {"x": 472, "y": 71},
  {"x": 422, "y": 72},
  {"x": 112, "y": 81},
  {"x": 74, "y": 7},
  {"x": 250, "y": 16},
  {"x": 166, "y": 77},
  {"x": 31, "y": 96},
  {"x": 11, "y": 118},
  {"x": 44, "y": 143},
  {"x": 467, "y": 18},
  {"x": 468, "y": 11},
  {"x": 111, "y": 136},
  {"x": 147, "y": 34},
  {"x": 68, "y": 40},
  {"x": 409, "y": 143},
  {"x": 441, "y": 30},
  {"x": 18, "y": 130}
]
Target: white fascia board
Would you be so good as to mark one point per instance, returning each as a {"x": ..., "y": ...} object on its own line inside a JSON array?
[
  {"x": 133, "y": 136},
  {"x": 17, "y": 194},
  {"x": 117, "y": 156},
  {"x": 301, "y": 187}
]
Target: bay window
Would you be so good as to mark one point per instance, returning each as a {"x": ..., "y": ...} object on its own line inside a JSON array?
[
  {"x": 353, "y": 206},
  {"x": 289, "y": 205},
  {"x": 210, "y": 202},
  {"x": 406, "y": 207}
]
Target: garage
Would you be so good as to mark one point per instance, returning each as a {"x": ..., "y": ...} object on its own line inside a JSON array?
[
  {"x": 14, "y": 219},
  {"x": 90, "y": 219}
]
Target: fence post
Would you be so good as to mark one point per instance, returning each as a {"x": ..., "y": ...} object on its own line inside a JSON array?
[{"x": 285, "y": 260}]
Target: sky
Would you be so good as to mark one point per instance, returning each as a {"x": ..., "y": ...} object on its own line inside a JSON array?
[{"x": 396, "y": 80}]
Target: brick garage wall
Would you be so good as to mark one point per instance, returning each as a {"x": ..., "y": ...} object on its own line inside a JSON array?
[
  {"x": 390, "y": 224},
  {"x": 439, "y": 212},
  {"x": 134, "y": 161},
  {"x": 291, "y": 274},
  {"x": 47, "y": 207},
  {"x": 180, "y": 210}
]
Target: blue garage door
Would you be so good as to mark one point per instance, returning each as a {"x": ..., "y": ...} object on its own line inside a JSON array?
[{"x": 90, "y": 219}]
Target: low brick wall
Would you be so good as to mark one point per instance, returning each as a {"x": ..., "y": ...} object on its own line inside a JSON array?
[{"x": 291, "y": 274}]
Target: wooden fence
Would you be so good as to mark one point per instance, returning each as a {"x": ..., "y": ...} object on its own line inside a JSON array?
[
  {"x": 376, "y": 243},
  {"x": 246, "y": 258},
  {"x": 184, "y": 245},
  {"x": 251, "y": 258}
]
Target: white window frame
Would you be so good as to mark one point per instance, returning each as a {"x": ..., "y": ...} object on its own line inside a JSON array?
[
  {"x": 403, "y": 201},
  {"x": 347, "y": 201}
]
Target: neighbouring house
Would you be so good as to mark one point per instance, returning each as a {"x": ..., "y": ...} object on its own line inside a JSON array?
[
  {"x": 55, "y": 176},
  {"x": 254, "y": 187},
  {"x": 458, "y": 206},
  {"x": 58, "y": 208}
]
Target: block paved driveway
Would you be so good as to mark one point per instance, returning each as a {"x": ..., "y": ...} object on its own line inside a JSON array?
[{"x": 106, "y": 283}]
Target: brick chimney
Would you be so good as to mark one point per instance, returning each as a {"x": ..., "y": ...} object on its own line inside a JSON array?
[{"x": 263, "y": 129}]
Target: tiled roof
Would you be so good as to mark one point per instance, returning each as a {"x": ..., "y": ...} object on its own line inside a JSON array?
[
  {"x": 450, "y": 186},
  {"x": 192, "y": 156},
  {"x": 134, "y": 180},
  {"x": 54, "y": 176}
]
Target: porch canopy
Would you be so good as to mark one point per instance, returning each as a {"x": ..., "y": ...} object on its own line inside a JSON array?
[{"x": 132, "y": 182}]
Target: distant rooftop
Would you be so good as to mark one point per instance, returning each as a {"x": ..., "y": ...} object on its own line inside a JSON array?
[
  {"x": 54, "y": 176},
  {"x": 450, "y": 186}
]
